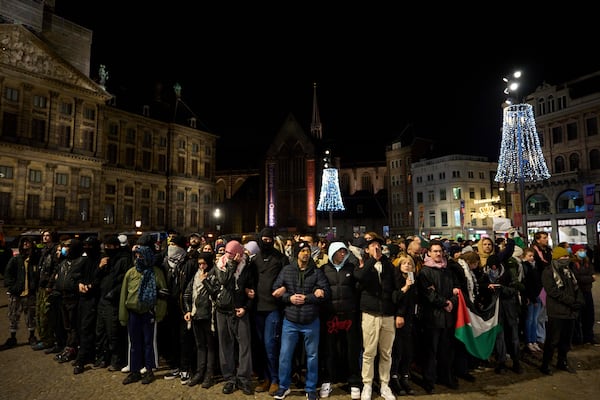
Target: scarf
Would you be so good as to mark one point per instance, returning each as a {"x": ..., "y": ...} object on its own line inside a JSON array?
[
  {"x": 564, "y": 264},
  {"x": 144, "y": 265},
  {"x": 472, "y": 286},
  {"x": 175, "y": 255},
  {"x": 430, "y": 263},
  {"x": 196, "y": 288}
]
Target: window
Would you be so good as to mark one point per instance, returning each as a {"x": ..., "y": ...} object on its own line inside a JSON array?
[
  {"x": 194, "y": 217},
  {"x": 366, "y": 183},
  {"x": 38, "y": 130},
  {"x": 130, "y": 157},
  {"x": 128, "y": 214},
  {"x": 109, "y": 214},
  {"x": 181, "y": 144},
  {"x": 33, "y": 206},
  {"x": 162, "y": 162},
  {"x": 442, "y": 194},
  {"x": 66, "y": 108},
  {"x": 181, "y": 165},
  {"x": 470, "y": 174},
  {"x": 40, "y": 101},
  {"x": 456, "y": 193},
  {"x": 571, "y": 131},
  {"x": 35, "y": 176},
  {"x": 180, "y": 196},
  {"x": 194, "y": 198},
  {"x": 145, "y": 210},
  {"x": 129, "y": 191},
  {"x": 110, "y": 189},
  {"x": 570, "y": 201},
  {"x": 431, "y": 218},
  {"x": 59, "y": 208},
  {"x": 430, "y": 196},
  {"x": 194, "y": 167},
  {"x": 11, "y": 94},
  {"x": 62, "y": 179},
  {"x": 471, "y": 193},
  {"x": 6, "y": 172},
  {"x": 64, "y": 135},
  {"x": 195, "y": 148},
  {"x": 146, "y": 160},
  {"x": 160, "y": 216},
  {"x": 444, "y": 218},
  {"x": 162, "y": 141},
  {"x": 84, "y": 207},
  {"x": 9, "y": 125},
  {"x": 481, "y": 175},
  {"x": 130, "y": 136},
  {"x": 574, "y": 162},
  {"x": 88, "y": 140},
  {"x": 85, "y": 182},
  {"x": 179, "y": 217},
  {"x": 595, "y": 159},
  {"x": 113, "y": 130},
  {"x": 456, "y": 174},
  {"x": 89, "y": 113},
  {"x": 557, "y": 135},
  {"x": 207, "y": 170},
  {"x": 591, "y": 126},
  {"x": 112, "y": 153},
  {"x": 559, "y": 165},
  {"x": 5, "y": 205},
  {"x": 145, "y": 193},
  {"x": 161, "y": 195},
  {"x": 419, "y": 197},
  {"x": 147, "y": 142},
  {"x": 482, "y": 193}
]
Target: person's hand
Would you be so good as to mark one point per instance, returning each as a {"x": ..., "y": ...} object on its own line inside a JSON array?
[
  {"x": 399, "y": 322},
  {"x": 187, "y": 316},
  {"x": 240, "y": 312},
  {"x": 278, "y": 292},
  {"x": 448, "y": 307},
  {"x": 297, "y": 299},
  {"x": 319, "y": 293},
  {"x": 250, "y": 293}
]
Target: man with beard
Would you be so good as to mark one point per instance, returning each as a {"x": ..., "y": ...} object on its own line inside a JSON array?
[{"x": 266, "y": 264}]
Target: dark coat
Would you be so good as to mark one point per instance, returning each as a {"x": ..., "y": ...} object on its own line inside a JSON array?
[
  {"x": 564, "y": 299},
  {"x": 376, "y": 291}
]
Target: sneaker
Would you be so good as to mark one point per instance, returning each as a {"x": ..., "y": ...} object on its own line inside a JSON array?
[
  {"x": 281, "y": 393},
  {"x": 185, "y": 378},
  {"x": 172, "y": 374},
  {"x": 53, "y": 350},
  {"x": 132, "y": 377},
  {"x": 148, "y": 378},
  {"x": 41, "y": 346},
  {"x": 366, "y": 393},
  {"x": 10, "y": 342},
  {"x": 229, "y": 387},
  {"x": 355, "y": 393},
  {"x": 537, "y": 347},
  {"x": 325, "y": 390},
  {"x": 386, "y": 392},
  {"x": 125, "y": 369},
  {"x": 144, "y": 370},
  {"x": 312, "y": 396}
]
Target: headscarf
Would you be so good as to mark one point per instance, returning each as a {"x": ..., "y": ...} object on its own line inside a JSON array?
[{"x": 145, "y": 266}]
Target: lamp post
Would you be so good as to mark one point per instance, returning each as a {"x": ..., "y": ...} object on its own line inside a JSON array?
[
  {"x": 138, "y": 227},
  {"x": 217, "y": 215}
]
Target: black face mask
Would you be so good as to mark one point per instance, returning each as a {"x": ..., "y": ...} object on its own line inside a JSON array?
[{"x": 266, "y": 246}]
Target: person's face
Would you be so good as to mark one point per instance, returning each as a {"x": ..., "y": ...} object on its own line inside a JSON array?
[
  {"x": 406, "y": 266},
  {"x": 207, "y": 248},
  {"x": 202, "y": 264},
  {"x": 529, "y": 257},
  {"x": 374, "y": 249},
  {"x": 46, "y": 237},
  {"x": 487, "y": 246},
  {"x": 543, "y": 240},
  {"x": 436, "y": 252},
  {"x": 194, "y": 241},
  {"x": 304, "y": 255},
  {"x": 339, "y": 255}
]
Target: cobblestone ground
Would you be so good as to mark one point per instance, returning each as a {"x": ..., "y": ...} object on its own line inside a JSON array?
[{"x": 31, "y": 375}]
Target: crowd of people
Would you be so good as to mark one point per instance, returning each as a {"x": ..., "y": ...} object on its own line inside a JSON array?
[{"x": 262, "y": 312}]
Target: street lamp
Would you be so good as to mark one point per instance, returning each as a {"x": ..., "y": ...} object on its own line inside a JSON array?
[
  {"x": 217, "y": 215},
  {"x": 138, "y": 226}
]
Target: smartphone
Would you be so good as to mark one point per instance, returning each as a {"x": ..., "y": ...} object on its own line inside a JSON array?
[{"x": 411, "y": 276}]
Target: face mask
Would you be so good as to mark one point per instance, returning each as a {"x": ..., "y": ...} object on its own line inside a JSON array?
[
  {"x": 569, "y": 250},
  {"x": 581, "y": 254},
  {"x": 63, "y": 251}
]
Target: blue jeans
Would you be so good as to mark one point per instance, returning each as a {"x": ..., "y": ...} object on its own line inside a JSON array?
[
  {"x": 268, "y": 332},
  {"x": 289, "y": 338},
  {"x": 531, "y": 323}
]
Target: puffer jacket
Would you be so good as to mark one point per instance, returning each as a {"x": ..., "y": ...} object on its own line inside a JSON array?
[
  {"x": 304, "y": 282},
  {"x": 564, "y": 298}
]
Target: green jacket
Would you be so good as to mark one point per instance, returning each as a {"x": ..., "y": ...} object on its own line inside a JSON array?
[{"x": 130, "y": 295}]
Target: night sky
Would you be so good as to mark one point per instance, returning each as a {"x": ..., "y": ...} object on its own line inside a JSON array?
[{"x": 243, "y": 70}]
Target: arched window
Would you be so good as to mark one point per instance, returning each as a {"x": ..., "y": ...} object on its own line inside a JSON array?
[
  {"x": 570, "y": 201},
  {"x": 559, "y": 165},
  {"x": 574, "y": 162},
  {"x": 538, "y": 204}
]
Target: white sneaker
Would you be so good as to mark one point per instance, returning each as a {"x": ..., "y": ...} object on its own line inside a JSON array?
[
  {"x": 325, "y": 390},
  {"x": 143, "y": 370},
  {"x": 386, "y": 393},
  {"x": 354, "y": 393},
  {"x": 366, "y": 393},
  {"x": 537, "y": 347},
  {"x": 125, "y": 369}
]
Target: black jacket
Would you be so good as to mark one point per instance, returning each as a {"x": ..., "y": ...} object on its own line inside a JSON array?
[{"x": 376, "y": 291}]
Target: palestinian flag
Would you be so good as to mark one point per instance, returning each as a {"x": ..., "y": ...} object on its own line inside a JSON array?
[{"x": 477, "y": 330}]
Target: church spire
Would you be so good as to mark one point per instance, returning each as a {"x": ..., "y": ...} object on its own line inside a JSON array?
[{"x": 316, "y": 129}]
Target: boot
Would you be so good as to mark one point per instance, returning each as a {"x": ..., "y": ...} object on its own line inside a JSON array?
[
  {"x": 395, "y": 386},
  {"x": 405, "y": 386}
]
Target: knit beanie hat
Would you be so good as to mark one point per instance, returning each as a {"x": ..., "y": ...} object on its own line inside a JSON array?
[
  {"x": 180, "y": 241},
  {"x": 252, "y": 247},
  {"x": 559, "y": 252},
  {"x": 299, "y": 246},
  {"x": 234, "y": 247}
]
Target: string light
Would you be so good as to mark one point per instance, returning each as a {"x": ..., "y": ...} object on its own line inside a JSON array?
[
  {"x": 330, "y": 198},
  {"x": 521, "y": 156}
]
